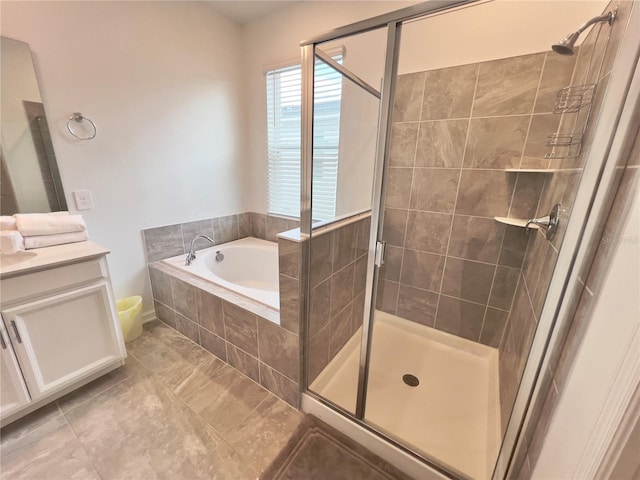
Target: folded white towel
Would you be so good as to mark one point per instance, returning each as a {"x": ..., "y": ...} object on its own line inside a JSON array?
[
  {"x": 40, "y": 241},
  {"x": 32, "y": 224},
  {"x": 11, "y": 242},
  {"x": 7, "y": 223}
]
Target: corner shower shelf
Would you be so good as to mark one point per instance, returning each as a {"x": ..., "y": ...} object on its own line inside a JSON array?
[{"x": 516, "y": 222}]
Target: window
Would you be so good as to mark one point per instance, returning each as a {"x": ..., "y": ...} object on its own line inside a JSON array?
[{"x": 283, "y": 119}]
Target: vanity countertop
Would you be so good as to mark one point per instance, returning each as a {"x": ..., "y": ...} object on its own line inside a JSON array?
[{"x": 44, "y": 258}]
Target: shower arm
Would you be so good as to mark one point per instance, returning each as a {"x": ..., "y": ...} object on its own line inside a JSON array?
[{"x": 602, "y": 18}]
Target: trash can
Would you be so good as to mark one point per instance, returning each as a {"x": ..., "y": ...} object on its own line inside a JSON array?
[{"x": 130, "y": 313}]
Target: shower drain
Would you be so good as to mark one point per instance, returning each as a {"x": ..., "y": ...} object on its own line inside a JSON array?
[{"x": 410, "y": 380}]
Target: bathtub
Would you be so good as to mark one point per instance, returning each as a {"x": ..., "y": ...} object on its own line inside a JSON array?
[{"x": 249, "y": 267}]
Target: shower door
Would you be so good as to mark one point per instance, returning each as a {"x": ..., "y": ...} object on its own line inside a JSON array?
[{"x": 426, "y": 290}]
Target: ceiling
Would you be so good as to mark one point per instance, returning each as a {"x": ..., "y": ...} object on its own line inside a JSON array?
[{"x": 245, "y": 11}]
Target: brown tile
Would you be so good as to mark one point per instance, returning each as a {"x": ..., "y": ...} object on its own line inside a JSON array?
[
  {"x": 360, "y": 276},
  {"x": 163, "y": 242},
  {"x": 288, "y": 257},
  {"x": 184, "y": 298},
  {"x": 387, "y": 296},
  {"x": 536, "y": 146},
  {"x": 340, "y": 330},
  {"x": 484, "y": 193},
  {"x": 210, "y": 312},
  {"x": 363, "y": 231},
  {"x": 289, "y": 304},
  {"x": 408, "y": 97},
  {"x": 161, "y": 286},
  {"x": 320, "y": 307},
  {"x": 188, "y": 328},
  {"x": 417, "y": 305},
  {"x": 344, "y": 246},
  {"x": 398, "y": 187},
  {"x": 390, "y": 270},
  {"x": 241, "y": 328},
  {"x": 475, "y": 238},
  {"x": 467, "y": 280},
  {"x": 275, "y": 225},
  {"x": 165, "y": 314},
  {"x": 504, "y": 287},
  {"x": 341, "y": 289},
  {"x": 555, "y": 75},
  {"x": 522, "y": 321},
  {"x": 258, "y": 225},
  {"x": 321, "y": 251},
  {"x": 402, "y": 149},
  {"x": 434, "y": 189},
  {"x": 508, "y": 86},
  {"x": 540, "y": 291},
  {"x": 357, "y": 314},
  {"x": 395, "y": 226},
  {"x": 278, "y": 348},
  {"x": 514, "y": 246},
  {"x": 441, "y": 143},
  {"x": 318, "y": 353},
  {"x": 422, "y": 270},
  {"x": 262, "y": 435},
  {"x": 449, "y": 92},
  {"x": 244, "y": 362},
  {"x": 192, "y": 229},
  {"x": 496, "y": 143},
  {"x": 493, "y": 326},
  {"x": 281, "y": 386},
  {"x": 214, "y": 344},
  {"x": 244, "y": 225},
  {"x": 428, "y": 231},
  {"x": 225, "y": 229},
  {"x": 460, "y": 318},
  {"x": 533, "y": 265},
  {"x": 526, "y": 195}
]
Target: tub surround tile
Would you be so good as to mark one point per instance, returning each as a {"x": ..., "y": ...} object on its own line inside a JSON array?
[
  {"x": 475, "y": 238},
  {"x": 398, "y": 187},
  {"x": 514, "y": 246},
  {"x": 278, "y": 348},
  {"x": 526, "y": 195},
  {"x": 344, "y": 246},
  {"x": 210, "y": 315},
  {"x": 241, "y": 328},
  {"x": 417, "y": 305},
  {"x": 555, "y": 76},
  {"x": 243, "y": 362},
  {"x": 428, "y": 231},
  {"x": 321, "y": 251},
  {"x": 473, "y": 199},
  {"x": 357, "y": 313},
  {"x": 467, "y": 280},
  {"x": 244, "y": 225},
  {"x": 536, "y": 145},
  {"x": 387, "y": 296},
  {"x": 161, "y": 286},
  {"x": 289, "y": 304},
  {"x": 192, "y": 229},
  {"x": 188, "y": 328},
  {"x": 225, "y": 229},
  {"x": 390, "y": 270},
  {"x": 508, "y": 86},
  {"x": 184, "y": 299},
  {"x": 163, "y": 242},
  {"x": 504, "y": 287},
  {"x": 402, "y": 150},
  {"x": 281, "y": 386},
  {"x": 318, "y": 353},
  {"x": 460, "y": 317},
  {"x": 165, "y": 314},
  {"x": 340, "y": 327},
  {"x": 288, "y": 258},
  {"x": 408, "y": 97},
  {"x": 395, "y": 226},
  {"x": 441, "y": 143},
  {"x": 213, "y": 344},
  {"x": 449, "y": 92},
  {"x": 360, "y": 275},
  {"x": 493, "y": 327},
  {"x": 320, "y": 300},
  {"x": 422, "y": 270},
  {"x": 341, "y": 289},
  {"x": 258, "y": 225},
  {"x": 274, "y": 226}
]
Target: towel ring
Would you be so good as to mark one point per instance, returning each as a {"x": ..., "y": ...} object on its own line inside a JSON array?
[{"x": 77, "y": 116}]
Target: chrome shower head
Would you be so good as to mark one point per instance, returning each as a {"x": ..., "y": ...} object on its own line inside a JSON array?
[{"x": 566, "y": 46}]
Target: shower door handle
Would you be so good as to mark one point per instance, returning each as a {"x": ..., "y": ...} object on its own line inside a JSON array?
[{"x": 381, "y": 249}]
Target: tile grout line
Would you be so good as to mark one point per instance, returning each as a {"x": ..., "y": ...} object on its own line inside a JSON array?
[{"x": 84, "y": 449}]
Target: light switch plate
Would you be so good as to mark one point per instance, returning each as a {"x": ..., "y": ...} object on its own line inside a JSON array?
[{"x": 83, "y": 199}]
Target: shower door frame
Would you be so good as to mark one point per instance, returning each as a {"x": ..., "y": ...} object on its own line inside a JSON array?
[{"x": 595, "y": 178}]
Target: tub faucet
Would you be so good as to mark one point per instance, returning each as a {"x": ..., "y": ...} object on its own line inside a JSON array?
[{"x": 191, "y": 256}]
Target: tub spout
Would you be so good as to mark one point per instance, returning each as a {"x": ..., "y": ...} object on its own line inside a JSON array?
[{"x": 191, "y": 256}]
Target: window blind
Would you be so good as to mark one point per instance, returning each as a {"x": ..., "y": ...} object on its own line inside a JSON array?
[{"x": 284, "y": 86}]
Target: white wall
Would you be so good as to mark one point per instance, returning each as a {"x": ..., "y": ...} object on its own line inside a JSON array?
[
  {"x": 485, "y": 31},
  {"x": 162, "y": 81}
]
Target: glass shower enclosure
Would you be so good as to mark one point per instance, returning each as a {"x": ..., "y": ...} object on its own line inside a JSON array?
[{"x": 434, "y": 207}]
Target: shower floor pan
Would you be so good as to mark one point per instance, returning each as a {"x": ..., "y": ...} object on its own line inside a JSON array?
[{"x": 452, "y": 416}]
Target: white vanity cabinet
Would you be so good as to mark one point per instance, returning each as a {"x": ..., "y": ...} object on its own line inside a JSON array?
[{"x": 60, "y": 330}]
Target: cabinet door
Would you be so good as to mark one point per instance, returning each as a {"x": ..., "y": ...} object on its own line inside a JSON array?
[
  {"x": 13, "y": 392},
  {"x": 63, "y": 338}
]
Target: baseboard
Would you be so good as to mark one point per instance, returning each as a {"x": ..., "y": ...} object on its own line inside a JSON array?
[{"x": 148, "y": 316}]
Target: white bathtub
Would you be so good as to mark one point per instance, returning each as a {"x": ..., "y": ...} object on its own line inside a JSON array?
[{"x": 249, "y": 267}]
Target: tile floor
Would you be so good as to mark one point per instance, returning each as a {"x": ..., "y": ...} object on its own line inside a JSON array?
[{"x": 174, "y": 411}]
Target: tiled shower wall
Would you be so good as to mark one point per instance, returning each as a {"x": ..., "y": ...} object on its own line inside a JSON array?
[
  {"x": 450, "y": 265},
  {"x": 559, "y": 188}
]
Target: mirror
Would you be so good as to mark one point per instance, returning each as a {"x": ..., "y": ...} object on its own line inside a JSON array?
[{"x": 29, "y": 180}]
